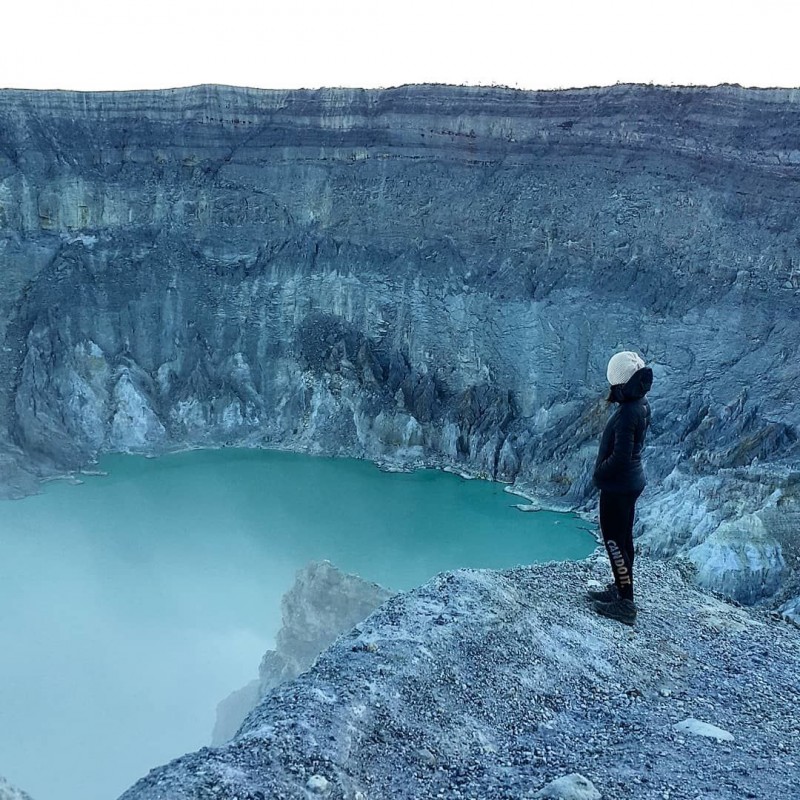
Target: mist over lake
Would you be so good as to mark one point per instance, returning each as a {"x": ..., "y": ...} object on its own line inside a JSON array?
[{"x": 131, "y": 604}]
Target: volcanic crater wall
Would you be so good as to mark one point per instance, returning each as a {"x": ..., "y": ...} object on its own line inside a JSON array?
[{"x": 426, "y": 274}]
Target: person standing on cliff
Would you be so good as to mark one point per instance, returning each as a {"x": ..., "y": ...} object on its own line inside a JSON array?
[{"x": 619, "y": 476}]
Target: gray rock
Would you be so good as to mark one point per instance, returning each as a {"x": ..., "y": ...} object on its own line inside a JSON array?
[
  {"x": 9, "y": 792},
  {"x": 698, "y": 728},
  {"x": 323, "y": 604},
  {"x": 791, "y": 610},
  {"x": 740, "y": 560},
  {"x": 232, "y": 710},
  {"x": 318, "y": 784},
  {"x": 570, "y": 787},
  {"x": 16, "y": 480}
]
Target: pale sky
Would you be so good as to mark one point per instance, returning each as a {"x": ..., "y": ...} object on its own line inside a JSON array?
[{"x": 143, "y": 44}]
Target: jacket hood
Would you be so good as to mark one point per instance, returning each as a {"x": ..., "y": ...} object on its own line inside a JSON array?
[{"x": 638, "y": 386}]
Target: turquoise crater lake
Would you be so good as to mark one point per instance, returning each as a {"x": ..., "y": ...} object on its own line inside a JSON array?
[{"x": 131, "y": 604}]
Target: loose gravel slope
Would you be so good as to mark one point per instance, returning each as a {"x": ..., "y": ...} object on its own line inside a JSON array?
[{"x": 490, "y": 684}]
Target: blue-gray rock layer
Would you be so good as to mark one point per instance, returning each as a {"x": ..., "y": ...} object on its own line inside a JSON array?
[
  {"x": 426, "y": 274},
  {"x": 491, "y": 684}
]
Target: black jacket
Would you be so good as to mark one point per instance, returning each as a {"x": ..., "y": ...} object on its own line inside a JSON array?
[{"x": 619, "y": 461}]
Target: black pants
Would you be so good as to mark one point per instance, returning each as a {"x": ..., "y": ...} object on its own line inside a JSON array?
[{"x": 616, "y": 525}]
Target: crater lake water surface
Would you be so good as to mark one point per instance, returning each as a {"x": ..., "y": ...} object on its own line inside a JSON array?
[{"x": 132, "y": 604}]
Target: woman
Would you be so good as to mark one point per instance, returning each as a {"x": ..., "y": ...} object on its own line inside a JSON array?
[{"x": 619, "y": 476}]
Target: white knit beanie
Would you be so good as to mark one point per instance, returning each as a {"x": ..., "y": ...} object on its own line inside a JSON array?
[{"x": 622, "y": 366}]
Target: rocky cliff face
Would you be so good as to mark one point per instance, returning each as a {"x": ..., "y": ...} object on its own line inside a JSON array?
[
  {"x": 322, "y": 604},
  {"x": 493, "y": 684},
  {"x": 423, "y": 274}
]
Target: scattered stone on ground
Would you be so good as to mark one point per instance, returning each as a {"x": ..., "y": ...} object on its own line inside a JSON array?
[
  {"x": 494, "y": 683},
  {"x": 570, "y": 787},
  {"x": 318, "y": 783},
  {"x": 698, "y": 728}
]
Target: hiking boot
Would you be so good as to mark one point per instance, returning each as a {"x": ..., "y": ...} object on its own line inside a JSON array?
[
  {"x": 620, "y": 610},
  {"x": 607, "y": 595}
]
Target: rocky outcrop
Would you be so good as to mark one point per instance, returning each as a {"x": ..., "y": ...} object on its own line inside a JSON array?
[
  {"x": 426, "y": 274},
  {"x": 9, "y": 792},
  {"x": 791, "y": 610},
  {"x": 323, "y": 604},
  {"x": 740, "y": 559},
  {"x": 493, "y": 684}
]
